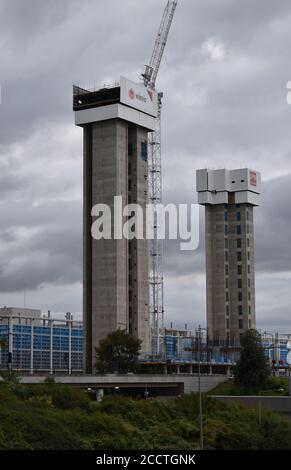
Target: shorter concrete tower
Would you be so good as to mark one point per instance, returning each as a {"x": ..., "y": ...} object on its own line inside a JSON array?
[{"x": 229, "y": 197}]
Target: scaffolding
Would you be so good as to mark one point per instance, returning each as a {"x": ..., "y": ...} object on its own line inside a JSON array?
[{"x": 156, "y": 278}]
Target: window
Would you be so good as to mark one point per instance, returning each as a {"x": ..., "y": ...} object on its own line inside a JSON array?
[
  {"x": 226, "y": 270},
  {"x": 239, "y": 270},
  {"x": 144, "y": 151},
  {"x": 238, "y": 243},
  {"x": 248, "y": 242},
  {"x": 226, "y": 256},
  {"x": 226, "y": 243},
  {"x": 239, "y": 283},
  {"x": 249, "y": 269},
  {"x": 249, "y": 283},
  {"x": 240, "y": 296},
  {"x": 240, "y": 310},
  {"x": 130, "y": 150},
  {"x": 227, "y": 296},
  {"x": 239, "y": 255},
  {"x": 238, "y": 229},
  {"x": 249, "y": 296},
  {"x": 250, "y": 323},
  {"x": 225, "y": 216},
  {"x": 238, "y": 206},
  {"x": 227, "y": 310},
  {"x": 238, "y": 216},
  {"x": 249, "y": 257},
  {"x": 227, "y": 323},
  {"x": 240, "y": 324},
  {"x": 250, "y": 310},
  {"x": 226, "y": 283},
  {"x": 248, "y": 215},
  {"x": 129, "y": 185},
  {"x": 226, "y": 230}
]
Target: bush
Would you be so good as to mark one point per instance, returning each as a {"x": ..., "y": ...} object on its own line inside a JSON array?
[{"x": 53, "y": 416}]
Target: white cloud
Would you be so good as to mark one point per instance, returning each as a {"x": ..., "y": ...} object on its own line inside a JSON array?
[{"x": 214, "y": 49}]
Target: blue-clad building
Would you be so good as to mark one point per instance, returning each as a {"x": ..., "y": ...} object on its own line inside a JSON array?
[{"x": 31, "y": 343}]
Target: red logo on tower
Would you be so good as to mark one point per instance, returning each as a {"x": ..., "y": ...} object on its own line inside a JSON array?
[
  {"x": 131, "y": 94},
  {"x": 253, "y": 178}
]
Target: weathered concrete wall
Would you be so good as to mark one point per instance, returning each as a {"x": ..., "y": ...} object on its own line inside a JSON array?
[
  {"x": 279, "y": 404},
  {"x": 230, "y": 292},
  {"x": 109, "y": 257},
  {"x": 188, "y": 382},
  {"x": 208, "y": 382},
  {"x": 115, "y": 270},
  {"x": 138, "y": 284}
]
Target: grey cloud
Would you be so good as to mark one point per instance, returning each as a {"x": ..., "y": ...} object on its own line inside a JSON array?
[
  {"x": 44, "y": 247},
  {"x": 273, "y": 226},
  {"x": 272, "y": 233},
  {"x": 228, "y": 111}
]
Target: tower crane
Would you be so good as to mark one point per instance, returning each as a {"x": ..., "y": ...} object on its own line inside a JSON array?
[
  {"x": 151, "y": 71},
  {"x": 156, "y": 277}
]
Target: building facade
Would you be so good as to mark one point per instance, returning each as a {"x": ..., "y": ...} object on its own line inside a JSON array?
[
  {"x": 45, "y": 345},
  {"x": 20, "y": 316},
  {"x": 116, "y": 122},
  {"x": 35, "y": 344},
  {"x": 229, "y": 197}
]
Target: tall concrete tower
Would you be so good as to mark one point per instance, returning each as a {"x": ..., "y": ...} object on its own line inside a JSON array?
[
  {"x": 229, "y": 197},
  {"x": 116, "y": 121}
]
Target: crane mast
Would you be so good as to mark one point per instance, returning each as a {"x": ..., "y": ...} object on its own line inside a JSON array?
[{"x": 156, "y": 276}]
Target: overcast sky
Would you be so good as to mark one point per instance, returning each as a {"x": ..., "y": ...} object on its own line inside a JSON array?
[{"x": 224, "y": 78}]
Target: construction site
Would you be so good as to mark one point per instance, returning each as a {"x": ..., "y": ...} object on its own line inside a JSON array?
[
  {"x": 34, "y": 344},
  {"x": 123, "y": 280}
]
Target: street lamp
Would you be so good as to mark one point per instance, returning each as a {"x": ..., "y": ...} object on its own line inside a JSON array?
[
  {"x": 199, "y": 389},
  {"x": 269, "y": 348},
  {"x": 289, "y": 368},
  {"x": 10, "y": 351}
]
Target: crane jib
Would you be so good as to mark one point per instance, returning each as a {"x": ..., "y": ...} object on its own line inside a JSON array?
[{"x": 152, "y": 70}]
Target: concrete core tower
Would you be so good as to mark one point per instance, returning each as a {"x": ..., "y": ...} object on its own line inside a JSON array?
[
  {"x": 116, "y": 122},
  {"x": 229, "y": 197}
]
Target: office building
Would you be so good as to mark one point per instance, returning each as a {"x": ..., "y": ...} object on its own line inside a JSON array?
[
  {"x": 20, "y": 316},
  {"x": 31, "y": 343}
]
